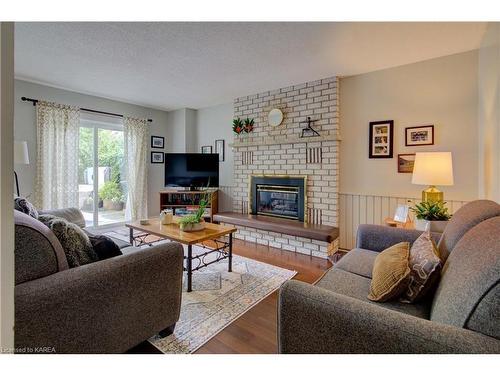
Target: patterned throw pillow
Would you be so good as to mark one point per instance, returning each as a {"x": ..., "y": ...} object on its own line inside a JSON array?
[
  {"x": 73, "y": 239},
  {"x": 425, "y": 267},
  {"x": 21, "y": 204},
  {"x": 390, "y": 273}
]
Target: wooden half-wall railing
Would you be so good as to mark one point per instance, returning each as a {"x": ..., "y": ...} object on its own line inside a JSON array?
[{"x": 356, "y": 209}]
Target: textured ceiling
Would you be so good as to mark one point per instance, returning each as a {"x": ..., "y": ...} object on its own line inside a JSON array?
[{"x": 175, "y": 65}]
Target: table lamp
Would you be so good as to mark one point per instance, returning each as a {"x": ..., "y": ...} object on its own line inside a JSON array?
[
  {"x": 20, "y": 157},
  {"x": 432, "y": 168}
]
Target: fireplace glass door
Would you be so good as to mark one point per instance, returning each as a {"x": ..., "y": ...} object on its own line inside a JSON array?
[{"x": 280, "y": 201}]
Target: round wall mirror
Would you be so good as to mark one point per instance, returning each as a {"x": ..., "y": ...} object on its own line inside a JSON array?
[{"x": 275, "y": 117}]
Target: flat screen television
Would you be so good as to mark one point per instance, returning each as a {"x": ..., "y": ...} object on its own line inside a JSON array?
[{"x": 192, "y": 170}]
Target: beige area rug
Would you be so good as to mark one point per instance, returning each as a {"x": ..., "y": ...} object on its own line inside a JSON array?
[{"x": 218, "y": 298}]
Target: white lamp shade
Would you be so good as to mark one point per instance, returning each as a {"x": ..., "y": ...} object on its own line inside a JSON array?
[
  {"x": 433, "y": 168},
  {"x": 21, "y": 155}
]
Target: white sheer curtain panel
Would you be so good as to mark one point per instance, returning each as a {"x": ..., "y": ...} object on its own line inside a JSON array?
[
  {"x": 56, "y": 182},
  {"x": 136, "y": 150}
]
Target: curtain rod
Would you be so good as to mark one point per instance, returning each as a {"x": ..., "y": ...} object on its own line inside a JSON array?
[{"x": 34, "y": 101}]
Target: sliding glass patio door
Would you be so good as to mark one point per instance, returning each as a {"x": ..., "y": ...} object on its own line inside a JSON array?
[{"x": 102, "y": 187}]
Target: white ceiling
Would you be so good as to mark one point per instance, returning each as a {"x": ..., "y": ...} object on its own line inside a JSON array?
[{"x": 176, "y": 65}]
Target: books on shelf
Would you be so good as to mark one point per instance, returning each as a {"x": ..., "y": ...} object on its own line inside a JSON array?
[
  {"x": 179, "y": 199},
  {"x": 190, "y": 210},
  {"x": 186, "y": 203}
]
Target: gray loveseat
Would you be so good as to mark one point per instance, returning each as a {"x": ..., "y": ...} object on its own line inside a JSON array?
[
  {"x": 104, "y": 307},
  {"x": 462, "y": 316}
]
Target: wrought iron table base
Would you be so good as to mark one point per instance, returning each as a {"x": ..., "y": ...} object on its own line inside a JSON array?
[{"x": 223, "y": 250}]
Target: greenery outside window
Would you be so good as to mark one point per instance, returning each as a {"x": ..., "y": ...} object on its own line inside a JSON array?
[{"x": 102, "y": 184}]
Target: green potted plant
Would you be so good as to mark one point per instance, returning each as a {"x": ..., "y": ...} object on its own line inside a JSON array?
[
  {"x": 112, "y": 196},
  {"x": 431, "y": 214},
  {"x": 248, "y": 125},
  {"x": 195, "y": 222},
  {"x": 237, "y": 126}
]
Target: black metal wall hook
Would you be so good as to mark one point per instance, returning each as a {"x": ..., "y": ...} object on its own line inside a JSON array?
[{"x": 308, "y": 131}]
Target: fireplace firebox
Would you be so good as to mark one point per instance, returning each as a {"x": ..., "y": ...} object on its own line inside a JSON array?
[{"x": 278, "y": 196}]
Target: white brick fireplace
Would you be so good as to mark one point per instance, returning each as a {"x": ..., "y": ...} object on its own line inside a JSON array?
[{"x": 281, "y": 151}]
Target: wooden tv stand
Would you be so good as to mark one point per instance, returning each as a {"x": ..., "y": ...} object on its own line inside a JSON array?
[{"x": 175, "y": 199}]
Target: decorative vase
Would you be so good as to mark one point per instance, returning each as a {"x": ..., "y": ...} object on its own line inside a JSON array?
[
  {"x": 166, "y": 217},
  {"x": 243, "y": 136},
  {"x": 193, "y": 227},
  {"x": 438, "y": 226},
  {"x": 432, "y": 225},
  {"x": 421, "y": 224}
]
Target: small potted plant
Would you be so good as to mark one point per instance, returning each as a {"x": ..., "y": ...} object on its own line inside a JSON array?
[
  {"x": 248, "y": 125},
  {"x": 237, "y": 126},
  {"x": 112, "y": 196},
  {"x": 195, "y": 222},
  {"x": 432, "y": 215}
]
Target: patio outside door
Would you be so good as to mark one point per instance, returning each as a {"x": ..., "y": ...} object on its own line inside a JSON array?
[{"x": 102, "y": 187}]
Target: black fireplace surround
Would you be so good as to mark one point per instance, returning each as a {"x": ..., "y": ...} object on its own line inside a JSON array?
[{"x": 278, "y": 196}]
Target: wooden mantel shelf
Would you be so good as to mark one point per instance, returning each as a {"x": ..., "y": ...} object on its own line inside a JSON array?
[
  {"x": 279, "y": 140},
  {"x": 320, "y": 232}
]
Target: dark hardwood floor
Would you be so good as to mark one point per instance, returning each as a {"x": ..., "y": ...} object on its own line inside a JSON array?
[{"x": 256, "y": 330}]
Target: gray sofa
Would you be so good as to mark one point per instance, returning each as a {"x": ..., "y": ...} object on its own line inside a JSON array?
[
  {"x": 108, "y": 306},
  {"x": 462, "y": 316}
]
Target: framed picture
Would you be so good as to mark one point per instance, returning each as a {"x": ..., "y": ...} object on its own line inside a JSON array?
[
  {"x": 157, "y": 142},
  {"x": 419, "y": 135},
  {"x": 219, "y": 149},
  {"x": 157, "y": 157},
  {"x": 206, "y": 149},
  {"x": 402, "y": 213},
  {"x": 405, "y": 163},
  {"x": 381, "y": 139}
]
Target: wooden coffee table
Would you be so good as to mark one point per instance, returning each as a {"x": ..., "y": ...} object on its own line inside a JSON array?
[{"x": 215, "y": 232}]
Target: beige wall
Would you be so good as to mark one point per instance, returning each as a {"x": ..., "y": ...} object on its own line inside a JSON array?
[
  {"x": 182, "y": 129},
  {"x": 442, "y": 92},
  {"x": 489, "y": 114},
  {"x": 215, "y": 123}
]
